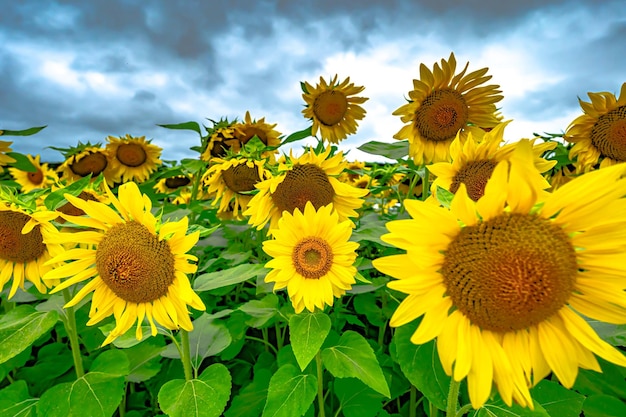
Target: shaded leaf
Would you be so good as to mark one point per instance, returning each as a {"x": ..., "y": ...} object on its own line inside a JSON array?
[
  {"x": 144, "y": 360},
  {"x": 558, "y": 400},
  {"x": 603, "y": 406},
  {"x": 15, "y": 400},
  {"x": 308, "y": 332},
  {"x": 235, "y": 275},
  {"x": 260, "y": 311},
  {"x": 290, "y": 393},
  {"x": 20, "y": 327},
  {"x": 357, "y": 399},
  {"x": 251, "y": 399}
]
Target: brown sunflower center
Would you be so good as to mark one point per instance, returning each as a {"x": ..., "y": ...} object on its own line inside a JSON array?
[
  {"x": 474, "y": 175},
  {"x": 35, "y": 177},
  {"x": 608, "y": 134},
  {"x": 240, "y": 178},
  {"x": 330, "y": 107},
  {"x": 176, "y": 182},
  {"x": 312, "y": 257},
  {"x": 251, "y": 131},
  {"x": 303, "y": 183},
  {"x": 131, "y": 154},
  {"x": 92, "y": 163},
  {"x": 71, "y": 210},
  {"x": 441, "y": 115},
  {"x": 134, "y": 263},
  {"x": 15, "y": 246},
  {"x": 510, "y": 272}
]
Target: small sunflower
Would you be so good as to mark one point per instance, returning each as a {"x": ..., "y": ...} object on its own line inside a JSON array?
[
  {"x": 25, "y": 246},
  {"x": 231, "y": 182},
  {"x": 136, "y": 267},
  {"x": 84, "y": 160},
  {"x": 443, "y": 104},
  {"x": 473, "y": 163},
  {"x": 221, "y": 138},
  {"x": 133, "y": 158},
  {"x": 333, "y": 108},
  {"x": 599, "y": 135},
  {"x": 309, "y": 178},
  {"x": 4, "y": 148},
  {"x": 172, "y": 184},
  {"x": 312, "y": 257},
  {"x": 250, "y": 128},
  {"x": 562, "y": 175},
  {"x": 43, "y": 177},
  {"x": 503, "y": 284}
]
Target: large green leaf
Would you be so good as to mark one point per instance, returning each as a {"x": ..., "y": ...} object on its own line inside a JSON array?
[
  {"x": 421, "y": 365},
  {"x": 144, "y": 359},
  {"x": 353, "y": 357},
  {"x": 203, "y": 397},
  {"x": 261, "y": 311},
  {"x": 356, "y": 398},
  {"x": 235, "y": 275},
  {"x": 251, "y": 398},
  {"x": 500, "y": 409},
  {"x": 20, "y": 327},
  {"x": 558, "y": 400},
  {"x": 603, "y": 406},
  {"x": 393, "y": 150},
  {"x": 15, "y": 401},
  {"x": 301, "y": 134},
  {"x": 290, "y": 393},
  {"x": 21, "y": 162},
  {"x": 308, "y": 332}
]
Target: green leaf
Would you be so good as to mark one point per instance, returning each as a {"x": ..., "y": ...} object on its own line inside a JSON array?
[
  {"x": 21, "y": 162},
  {"x": 357, "y": 399},
  {"x": 20, "y": 327},
  {"x": 371, "y": 227},
  {"x": 56, "y": 199},
  {"x": 53, "y": 360},
  {"x": 352, "y": 356},
  {"x": 183, "y": 126},
  {"x": 25, "y": 132},
  {"x": 15, "y": 400},
  {"x": 290, "y": 393},
  {"x": 603, "y": 406},
  {"x": 308, "y": 332},
  {"x": 500, "y": 409},
  {"x": 260, "y": 311},
  {"x": 393, "y": 150},
  {"x": 610, "y": 381},
  {"x": 235, "y": 275},
  {"x": 297, "y": 136},
  {"x": 251, "y": 399},
  {"x": 144, "y": 359},
  {"x": 203, "y": 397},
  {"x": 421, "y": 365},
  {"x": 558, "y": 400}
]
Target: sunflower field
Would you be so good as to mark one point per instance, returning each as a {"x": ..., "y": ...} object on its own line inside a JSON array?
[{"x": 474, "y": 276}]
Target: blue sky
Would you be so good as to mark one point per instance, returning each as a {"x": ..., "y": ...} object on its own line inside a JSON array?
[{"x": 89, "y": 69}]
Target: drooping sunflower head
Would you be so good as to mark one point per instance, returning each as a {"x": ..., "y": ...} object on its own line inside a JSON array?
[
  {"x": 250, "y": 128},
  {"x": 86, "y": 159},
  {"x": 309, "y": 178},
  {"x": 133, "y": 158},
  {"x": 599, "y": 135},
  {"x": 42, "y": 177},
  {"x": 502, "y": 283},
  {"x": 443, "y": 104},
  {"x": 89, "y": 193},
  {"x": 222, "y": 137},
  {"x": 172, "y": 184},
  {"x": 232, "y": 181},
  {"x": 4, "y": 148},
  {"x": 312, "y": 257},
  {"x": 25, "y": 247},
  {"x": 333, "y": 108},
  {"x": 135, "y": 266}
]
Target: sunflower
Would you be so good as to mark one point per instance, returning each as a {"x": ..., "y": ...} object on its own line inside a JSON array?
[
  {"x": 333, "y": 109},
  {"x": 473, "y": 162},
  {"x": 232, "y": 180},
  {"x": 133, "y": 158},
  {"x": 43, "y": 177},
  {"x": 599, "y": 135},
  {"x": 136, "y": 266},
  {"x": 312, "y": 257},
  {"x": 259, "y": 128},
  {"x": 87, "y": 159},
  {"x": 172, "y": 184},
  {"x": 4, "y": 148},
  {"x": 221, "y": 137},
  {"x": 311, "y": 177},
  {"x": 503, "y": 284},
  {"x": 25, "y": 246},
  {"x": 443, "y": 104}
]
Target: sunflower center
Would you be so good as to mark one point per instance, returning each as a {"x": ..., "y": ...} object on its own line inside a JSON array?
[
  {"x": 131, "y": 154},
  {"x": 71, "y": 210},
  {"x": 474, "y": 175},
  {"x": 251, "y": 131},
  {"x": 15, "y": 246},
  {"x": 35, "y": 177},
  {"x": 330, "y": 107},
  {"x": 312, "y": 257},
  {"x": 134, "y": 263},
  {"x": 303, "y": 183},
  {"x": 240, "y": 178},
  {"x": 510, "y": 272},
  {"x": 441, "y": 115},
  {"x": 176, "y": 182},
  {"x": 608, "y": 135},
  {"x": 93, "y": 163}
]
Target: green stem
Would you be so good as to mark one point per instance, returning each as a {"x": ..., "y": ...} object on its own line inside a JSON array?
[
  {"x": 70, "y": 329},
  {"x": 122, "y": 407},
  {"x": 279, "y": 336},
  {"x": 453, "y": 397},
  {"x": 412, "y": 401},
  {"x": 464, "y": 410},
  {"x": 194, "y": 194},
  {"x": 185, "y": 354},
  {"x": 320, "y": 383},
  {"x": 425, "y": 184},
  {"x": 267, "y": 344}
]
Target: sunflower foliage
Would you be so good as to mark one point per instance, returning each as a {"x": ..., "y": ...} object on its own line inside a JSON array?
[{"x": 455, "y": 274}]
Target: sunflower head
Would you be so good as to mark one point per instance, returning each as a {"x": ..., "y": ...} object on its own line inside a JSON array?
[
  {"x": 85, "y": 160},
  {"x": 443, "y": 104},
  {"x": 42, "y": 177},
  {"x": 221, "y": 138},
  {"x": 133, "y": 158},
  {"x": 333, "y": 108}
]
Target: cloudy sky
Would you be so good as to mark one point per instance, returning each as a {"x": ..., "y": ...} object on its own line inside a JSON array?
[{"x": 89, "y": 69}]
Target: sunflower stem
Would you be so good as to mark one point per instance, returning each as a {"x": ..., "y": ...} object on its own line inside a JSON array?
[
  {"x": 412, "y": 401},
  {"x": 463, "y": 410},
  {"x": 185, "y": 354},
  {"x": 453, "y": 397},
  {"x": 72, "y": 333},
  {"x": 194, "y": 195},
  {"x": 320, "y": 384},
  {"x": 425, "y": 184}
]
